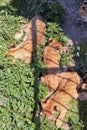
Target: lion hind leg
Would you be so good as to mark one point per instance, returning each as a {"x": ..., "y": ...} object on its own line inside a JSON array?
[{"x": 60, "y": 119}]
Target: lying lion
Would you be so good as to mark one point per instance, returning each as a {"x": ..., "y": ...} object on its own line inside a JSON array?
[
  {"x": 21, "y": 52},
  {"x": 51, "y": 56},
  {"x": 83, "y": 11},
  {"x": 66, "y": 89},
  {"x": 34, "y": 30},
  {"x": 54, "y": 81}
]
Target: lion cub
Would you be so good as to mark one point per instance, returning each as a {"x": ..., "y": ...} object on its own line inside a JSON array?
[
  {"x": 51, "y": 56},
  {"x": 34, "y": 37},
  {"x": 83, "y": 11},
  {"x": 55, "y": 81},
  {"x": 21, "y": 52},
  {"x": 34, "y": 30},
  {"x": 58, "y": 101}
]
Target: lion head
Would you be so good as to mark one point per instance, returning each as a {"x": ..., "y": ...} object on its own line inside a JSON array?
[{"x": 83, "y": 11}]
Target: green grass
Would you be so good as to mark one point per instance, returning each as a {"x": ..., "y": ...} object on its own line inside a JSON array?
[
  {"x": 82, "y": 60},
  {"x": 20, "y": 87}
]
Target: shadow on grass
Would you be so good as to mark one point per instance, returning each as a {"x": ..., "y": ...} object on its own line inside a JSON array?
[
  {"x": 28, "y": 9},
  {"x": 82, "y": 69}
]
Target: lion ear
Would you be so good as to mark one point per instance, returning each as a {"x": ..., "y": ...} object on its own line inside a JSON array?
[
  {"x": 12, "y": 45},
  {"x": 42, "y": 79}
]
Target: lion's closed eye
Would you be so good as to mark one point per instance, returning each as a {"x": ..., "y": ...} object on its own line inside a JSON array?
[{"x": 57, "y": 48}]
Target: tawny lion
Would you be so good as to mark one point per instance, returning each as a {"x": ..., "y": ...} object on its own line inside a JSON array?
[
  {"x": 51, "y": 56},
  {"x": 34, "y": 30},
  {"x": 58, "y": 101}
]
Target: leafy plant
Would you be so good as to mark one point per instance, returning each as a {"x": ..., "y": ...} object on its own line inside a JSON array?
[
  {"x": 55, "y": 32},
  {"x": 67, "y": 57},
  {"x": 20, "y": 87},
  {"x": 51, "y": 12},
  {"x": 82, "y": 60}
]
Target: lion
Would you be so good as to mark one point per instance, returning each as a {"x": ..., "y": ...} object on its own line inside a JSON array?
[
  {"x": 83, "y": 11},
  {"x": 34, "y": 30},
  {"x": 21, "y": 52},
  {"x": 35, "y": 36},
  {"x": 51, "y": 56},
  {"x": 53, "y": 81},
  {"x": 58, "y": 101}
]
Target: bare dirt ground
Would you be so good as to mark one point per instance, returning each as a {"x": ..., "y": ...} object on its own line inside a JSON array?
[{"x": 74, "y": 28}]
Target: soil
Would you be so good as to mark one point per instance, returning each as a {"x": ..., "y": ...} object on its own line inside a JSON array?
[{"x": 74, "y": 28}]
